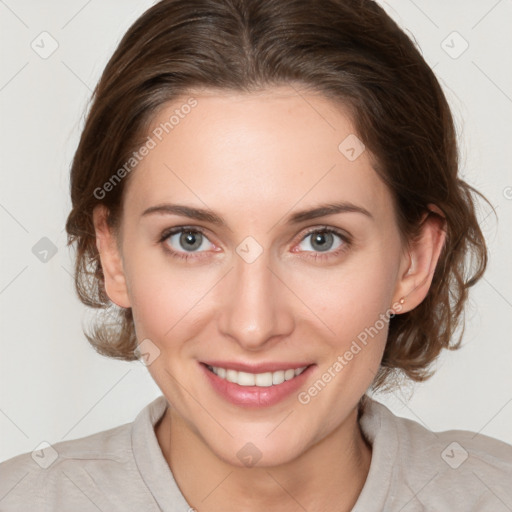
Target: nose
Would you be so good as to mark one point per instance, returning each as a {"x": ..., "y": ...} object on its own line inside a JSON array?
[{"x": 256, "y": 306}]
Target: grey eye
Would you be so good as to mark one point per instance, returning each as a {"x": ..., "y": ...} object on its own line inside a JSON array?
[
  {"x": 322, "y": 240},
  {"x": 187, "y": 240}
]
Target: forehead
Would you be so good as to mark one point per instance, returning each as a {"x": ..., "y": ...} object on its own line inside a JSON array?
[{"x": 255, "y": 152}]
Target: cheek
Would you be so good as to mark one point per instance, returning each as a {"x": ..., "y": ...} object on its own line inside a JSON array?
[
  {"x": 353, "y": 297},
  {"x": 166, "y": 298},
  {"x": 355, "y": 304}
]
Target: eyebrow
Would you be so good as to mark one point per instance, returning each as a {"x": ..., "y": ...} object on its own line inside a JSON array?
[{"x": 297, "y": 217}]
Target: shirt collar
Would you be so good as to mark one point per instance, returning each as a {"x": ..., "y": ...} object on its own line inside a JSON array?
[{"x": 376, "y": 423}]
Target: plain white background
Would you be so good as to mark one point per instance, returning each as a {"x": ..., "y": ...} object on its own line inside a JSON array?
[{"x": 53, "y": 384}]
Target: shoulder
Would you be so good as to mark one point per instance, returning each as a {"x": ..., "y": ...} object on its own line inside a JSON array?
[
  {"x": 454, "y": 448},
  {"x": 68, "y": 468},
  {"x": 448, "y": 470}
]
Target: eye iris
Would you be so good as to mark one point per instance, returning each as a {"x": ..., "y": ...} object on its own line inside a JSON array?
[
  {"x": 190, "y": 240},
  {"x": 320, "y": 238}
]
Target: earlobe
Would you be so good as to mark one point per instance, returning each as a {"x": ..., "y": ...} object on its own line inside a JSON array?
[
  {"x": 423, "y": 256},
  {"x": 111, "y": 261}
]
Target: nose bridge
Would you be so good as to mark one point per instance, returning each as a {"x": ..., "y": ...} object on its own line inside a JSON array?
[{"x": 254, "y": 308}]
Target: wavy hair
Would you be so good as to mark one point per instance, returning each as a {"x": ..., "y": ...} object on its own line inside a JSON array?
[{"x": 352, "y": 52}]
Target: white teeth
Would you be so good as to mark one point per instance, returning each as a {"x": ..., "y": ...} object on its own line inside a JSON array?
[
  {"x": 231, "y": 375},
  {"x": 263, "y": 379},
  {"x": 278, "y": 377},
  {"x": 245, "y": 379},
  {"x": 256, "y": 379},
  {"x": 289, "y": 374}
]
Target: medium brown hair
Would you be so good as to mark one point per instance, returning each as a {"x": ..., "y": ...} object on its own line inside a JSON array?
[{"x": 352, "y": 52}]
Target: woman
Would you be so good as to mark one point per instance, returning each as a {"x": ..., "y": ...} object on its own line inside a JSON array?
[{"x": 269, "y": 193}]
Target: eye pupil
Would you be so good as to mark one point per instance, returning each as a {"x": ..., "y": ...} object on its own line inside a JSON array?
[
  {"x": 190, "y": 240},
  {"x": 320, "y": 239}
]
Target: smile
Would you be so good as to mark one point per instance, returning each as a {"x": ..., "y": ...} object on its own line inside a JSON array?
[
  {"x": 254, "y": 389},
  {"x": 263, "y": 380}
]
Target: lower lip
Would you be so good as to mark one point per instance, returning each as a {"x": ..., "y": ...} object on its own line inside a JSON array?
[{"x": 255, "y": 396}]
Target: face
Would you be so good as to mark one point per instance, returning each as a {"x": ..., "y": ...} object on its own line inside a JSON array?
[{"x": 257, "y": 284}]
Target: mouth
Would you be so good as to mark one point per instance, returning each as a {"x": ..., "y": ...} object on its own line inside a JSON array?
[
  {"x": 235, "y": 384},
  {"x": 261, "y": 379}
]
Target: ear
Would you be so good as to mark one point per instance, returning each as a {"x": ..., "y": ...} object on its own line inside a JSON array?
[
  {"x": 419, "y": 262},
  {"x": 110, "y": 257}
]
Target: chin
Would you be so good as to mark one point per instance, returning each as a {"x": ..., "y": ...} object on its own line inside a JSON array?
[{"x": 259, "y": 452}]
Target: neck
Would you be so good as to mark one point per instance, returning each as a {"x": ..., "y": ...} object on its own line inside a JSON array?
[{"x": 328, "y": 476}]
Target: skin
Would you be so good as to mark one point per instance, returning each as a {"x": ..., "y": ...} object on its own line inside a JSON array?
[{"x": 255, "y": 159}]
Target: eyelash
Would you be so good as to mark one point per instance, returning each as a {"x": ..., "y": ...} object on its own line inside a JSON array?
[{"x": 317, "y": 255}]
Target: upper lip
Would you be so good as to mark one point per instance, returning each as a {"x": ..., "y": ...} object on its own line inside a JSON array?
[{"x": 258, "y": 367}]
